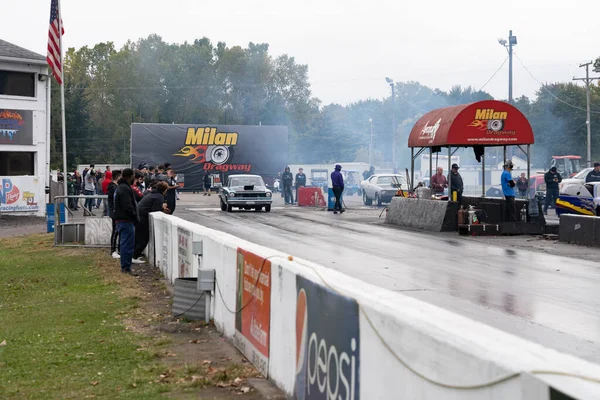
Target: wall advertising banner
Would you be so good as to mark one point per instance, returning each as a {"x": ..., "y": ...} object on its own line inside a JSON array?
[
  {"x": 16, "y": 127},
  {"x": 253, "y": 322},
  {"x": 165, "y": 251},
  {"x": 184, "y": 252},
  {"x": 194, "y": 150},
  {"x": 151, "y": 255},
  {"x": 20, "y": 194},
  {"x": 327, "y": 344}
]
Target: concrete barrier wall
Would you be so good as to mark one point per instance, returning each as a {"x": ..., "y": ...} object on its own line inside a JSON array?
[
  {"x": 319, "y": 334},
  {"x": 579, "y": 229},
  {"x": 430, "y": 215}
]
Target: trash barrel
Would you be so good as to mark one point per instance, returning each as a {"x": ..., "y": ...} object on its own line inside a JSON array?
[
  {"x": 51, "y": 217},
  {"x": 331, "y": 200}
]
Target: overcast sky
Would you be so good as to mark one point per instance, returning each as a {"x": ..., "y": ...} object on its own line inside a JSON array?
[{"x": 350, "y": 46}]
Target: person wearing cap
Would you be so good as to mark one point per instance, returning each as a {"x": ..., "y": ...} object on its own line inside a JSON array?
[
  {"x": 300, "y": 181},
  {"x": 288, "y": 181},
  {"x": 143, "y": 168},
  {"x": 594, "y": 175},
  {"x": 337, "y": 181},
  {"x": 456, "y": 184},
  {"x": 508, "y": 189},
  {"x": 151, "y": 171},
  {"x": 552, "y": 178}
]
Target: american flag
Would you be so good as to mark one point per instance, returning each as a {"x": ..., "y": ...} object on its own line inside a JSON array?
[{"x": 54, "y": 58}]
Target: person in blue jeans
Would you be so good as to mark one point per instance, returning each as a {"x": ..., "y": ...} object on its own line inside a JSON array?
[
  {"x": 508, "y": 188},
  {"x": 337, "y": 181},
  {"x": 89, "y": 189},
  {"x": 552, "y": 179},
  {"x": 126, "y": 218}
]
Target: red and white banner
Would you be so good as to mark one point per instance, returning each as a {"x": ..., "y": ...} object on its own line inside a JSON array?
[{"x": 20, "y": 194}]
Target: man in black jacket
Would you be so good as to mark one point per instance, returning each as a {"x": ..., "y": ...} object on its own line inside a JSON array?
[
  {"x": 171, "y": 196},
  {"x": 456, "y": 184},
  {"x": 126, "y": 217},
  {"x": 288, "y": 180},
  {"x": 112, "y": 188},
  {"x": 593, "y": 175},
  {"x": 552, "y": 179},
  {"x": 153, "y": 201},
  {"x": 300, "y": 181}
]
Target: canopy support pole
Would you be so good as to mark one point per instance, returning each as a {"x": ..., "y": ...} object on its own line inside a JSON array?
[
  {"x": 412, "y": 169},
  {"x": 504, "y": 159},
  {"x": 483, "y": 175},
  {"x": 430, "y": 165},
  {"x": 529, "y": 172},
  {"x": 449, "y": 173}
]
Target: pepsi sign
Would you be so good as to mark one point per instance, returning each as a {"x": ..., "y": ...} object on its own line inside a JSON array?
[{"x": 327, "y": 344}]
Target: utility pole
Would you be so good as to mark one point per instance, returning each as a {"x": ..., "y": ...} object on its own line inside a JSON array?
[
  {"x": 512, "y": 41},
  {"x": 391, "y": 83},
  {"x": 587, "y": 81},
  {"x": 371, "y": 143}
]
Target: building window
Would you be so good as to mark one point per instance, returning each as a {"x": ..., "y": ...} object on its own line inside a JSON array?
[
  {"x": 16, "y": 163},
  {"x": 14, "y": 83}
]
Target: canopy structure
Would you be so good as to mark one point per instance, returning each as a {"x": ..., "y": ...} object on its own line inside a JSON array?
[{"x": 479, "y": 125}]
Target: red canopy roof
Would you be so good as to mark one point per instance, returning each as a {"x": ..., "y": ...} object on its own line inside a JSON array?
[{"x": 484, "y": 123}]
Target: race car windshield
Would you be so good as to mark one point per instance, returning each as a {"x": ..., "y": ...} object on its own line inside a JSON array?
[
  {"x": 247, "y": 181},
  {"x": 391, "y": 181}
]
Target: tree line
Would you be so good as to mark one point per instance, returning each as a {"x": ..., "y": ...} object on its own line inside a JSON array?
[{"x": 151, "y": 81}]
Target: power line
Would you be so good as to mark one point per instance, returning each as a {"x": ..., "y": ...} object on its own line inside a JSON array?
[
  {"x": 492, "y": 77},
  {"x": 549, "y": 92},
  {"x": 409, "y": 103},
  {"x": 563, "y": 135}
]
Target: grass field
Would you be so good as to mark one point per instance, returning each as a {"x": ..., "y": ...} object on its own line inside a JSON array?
[{"x": 61, "y": 326}]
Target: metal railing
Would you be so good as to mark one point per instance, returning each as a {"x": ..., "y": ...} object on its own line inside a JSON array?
[{"x": 72, "y": 232}]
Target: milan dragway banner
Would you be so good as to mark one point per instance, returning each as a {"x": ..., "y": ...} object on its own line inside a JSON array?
[
  {"x": 20, "y": 194},
  {"x": 194, "y": 150}
]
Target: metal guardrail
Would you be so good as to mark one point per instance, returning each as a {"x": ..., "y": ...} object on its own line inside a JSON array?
[{"x": 72, "y": 233}]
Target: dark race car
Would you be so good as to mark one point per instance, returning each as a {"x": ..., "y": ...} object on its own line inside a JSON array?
[{"x": 245, "y": 192}]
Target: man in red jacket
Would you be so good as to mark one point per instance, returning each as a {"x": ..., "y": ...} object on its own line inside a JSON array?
[{"x": 105, "y": 183}]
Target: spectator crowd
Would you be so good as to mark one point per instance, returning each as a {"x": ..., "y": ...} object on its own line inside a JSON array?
[{"x": 132, "y": 194}]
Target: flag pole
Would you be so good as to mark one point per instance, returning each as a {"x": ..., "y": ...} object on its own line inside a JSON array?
[{"x": 62, "y": 108}]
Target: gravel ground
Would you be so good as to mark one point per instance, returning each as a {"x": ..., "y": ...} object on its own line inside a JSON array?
[{"x": 11, "y": 225}]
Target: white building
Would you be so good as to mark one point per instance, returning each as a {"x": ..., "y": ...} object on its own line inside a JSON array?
[{"x": 24, "y": 130}]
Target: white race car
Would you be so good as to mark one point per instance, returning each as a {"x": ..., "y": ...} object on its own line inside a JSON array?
[
  {"x": 382, "y": 187},
  {"x": 578, "y": 178}
]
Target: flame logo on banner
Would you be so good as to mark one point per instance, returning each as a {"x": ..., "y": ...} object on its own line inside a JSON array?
[
  {"x": 10, "y": 123},
  {"x": 479, "y": 124},
  {"x": 190, "y": 151}
]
